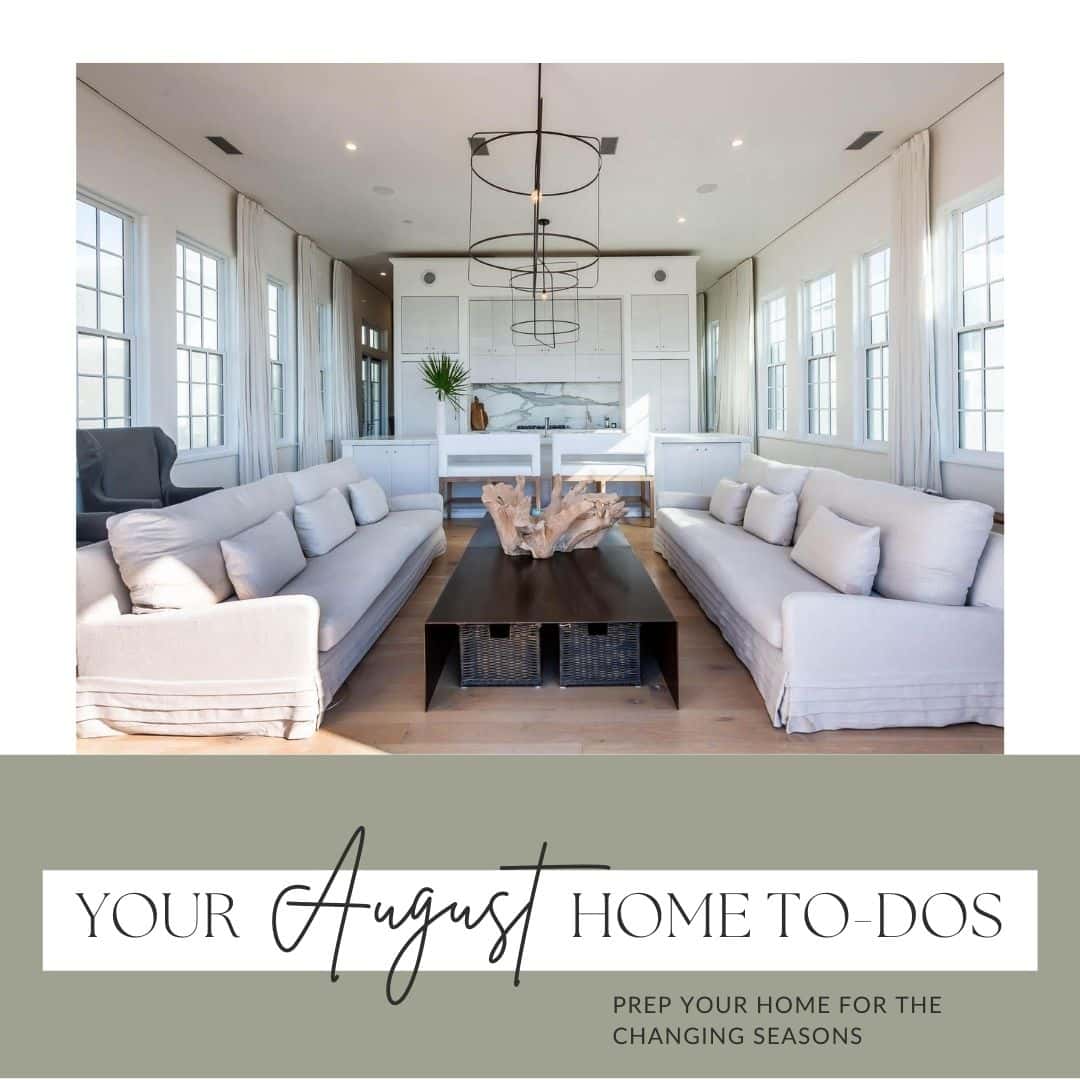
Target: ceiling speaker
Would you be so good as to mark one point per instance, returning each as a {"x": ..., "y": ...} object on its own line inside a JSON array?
[
  {"x": 660, "y": 275},
  {"x": 429, "y": 277}
]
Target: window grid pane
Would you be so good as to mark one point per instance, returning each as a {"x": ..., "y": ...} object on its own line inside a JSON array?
[
  {"x": 876, "y": 268},
  {"x": 102, "y": 343},
  {"x": 980, "y": 341},
  {"x": 200, "y": 391},
  {"x": 275, "y": 304},
  {"x": 776, "y": 364},
  {"x": 821, "y": 368}
]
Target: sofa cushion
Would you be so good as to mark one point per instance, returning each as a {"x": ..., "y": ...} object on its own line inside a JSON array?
[
  {"x": 263, "y": 558},
  {"x": 930, "y": 546},
  {"x": 323, "y": 523},
  {"x": 771, "y": 516},
  {"x": 308, "y": 484},
  {"x": 772, "y": 475},
  {"x": 171, "y": 557},
  {"x": 753, "y": 576},
  {"x": 347, "y": 580},
  {"x": 368, "y": 501},
  {"x": 728, "y": 503},
  {"x": 840, "y": 553}
]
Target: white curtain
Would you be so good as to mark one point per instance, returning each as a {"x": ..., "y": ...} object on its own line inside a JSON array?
[
  {"x": 312, "y": 434},
  {"x": 346, "y": 421},
  {"x": 733, "y": 298},
  {"x": 255, "y": 440},
  {"x": 914, "y": 447}
]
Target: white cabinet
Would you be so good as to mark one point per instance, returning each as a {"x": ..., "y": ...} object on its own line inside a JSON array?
[
  {"x": 545, "y": 365},
  {"x": 601, "y": 327},
  {"x": 489, "y": 328},
  {"x": 429, "y": 324},
  {"x": 696, "y": 465},
  {"x": 659, "y": 397},
  {"x": 487, "y": 368},
  {"x": 660, "y": 322},
  {"x": 597, "y": 367},
  {"x": 598, "y": 356},
  {"x": 415, "y": 414},
  {"x": 498, "y": 355},
  {"x": 401, "y": 468},
  {"x": 537, "y": 362}
]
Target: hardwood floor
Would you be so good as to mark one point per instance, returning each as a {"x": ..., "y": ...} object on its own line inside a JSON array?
[{"x": 380, "y": 708}]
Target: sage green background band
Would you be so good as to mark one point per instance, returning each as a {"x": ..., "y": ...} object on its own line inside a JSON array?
[{"x": 650, "y": 812}]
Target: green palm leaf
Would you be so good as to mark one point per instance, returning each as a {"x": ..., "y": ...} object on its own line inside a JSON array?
[{"x": 448, "y": 378}]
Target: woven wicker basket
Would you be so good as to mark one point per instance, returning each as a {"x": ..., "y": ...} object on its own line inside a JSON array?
[
  {"x": 500, "y": 655},
  {"x": 599, "y": 654}
]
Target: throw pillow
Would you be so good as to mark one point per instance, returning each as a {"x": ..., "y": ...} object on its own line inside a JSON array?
[
  {"x": 323, "y": 523},
  {"x": 841, "y": 553},
  {"x": 260, "y": 560},
  {"x": 368, "y": 501},
  {"x": 771, "y": 517},
  {"x": 729, "y": 502}
]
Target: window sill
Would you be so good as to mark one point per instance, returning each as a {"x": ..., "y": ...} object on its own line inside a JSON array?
[
  {"x": 826, "y": 440},
  {"x": 184, "y": 456},
  {"x": 988, "y": 460}
]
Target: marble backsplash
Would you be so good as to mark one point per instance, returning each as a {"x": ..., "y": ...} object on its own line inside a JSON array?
[{"x": 578, "y": 405}]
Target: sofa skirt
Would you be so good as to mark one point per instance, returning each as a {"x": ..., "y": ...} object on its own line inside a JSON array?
[{"x": 110, "y": 706}]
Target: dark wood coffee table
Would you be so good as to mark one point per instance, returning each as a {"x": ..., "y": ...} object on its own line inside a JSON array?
[{"x": 605, "y": 584}]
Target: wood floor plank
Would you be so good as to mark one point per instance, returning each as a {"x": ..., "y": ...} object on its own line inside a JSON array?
[{"x": 380, "y": 708}]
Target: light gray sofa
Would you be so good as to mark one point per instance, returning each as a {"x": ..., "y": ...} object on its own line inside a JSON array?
[
  {"x": 204, "y": 663},
  {"x": 826, "y": 660}
]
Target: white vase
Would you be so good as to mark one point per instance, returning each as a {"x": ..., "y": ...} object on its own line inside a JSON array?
[{"x": 440, "y": 416}]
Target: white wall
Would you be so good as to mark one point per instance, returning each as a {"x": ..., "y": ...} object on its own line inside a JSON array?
[
  {"x": 123, "y": 163},
  {"x": 967, "y": 156}
]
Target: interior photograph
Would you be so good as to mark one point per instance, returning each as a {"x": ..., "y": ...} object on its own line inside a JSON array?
[{"x": 596, "y": 408}]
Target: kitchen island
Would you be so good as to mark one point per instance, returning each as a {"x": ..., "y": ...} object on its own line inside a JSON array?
[{"x": 619, "y": 461}]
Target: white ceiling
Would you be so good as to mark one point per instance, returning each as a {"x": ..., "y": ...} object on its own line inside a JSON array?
[{"x": 675, "y": 123}]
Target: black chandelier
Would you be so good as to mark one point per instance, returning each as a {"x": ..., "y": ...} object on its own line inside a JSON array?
[{"x": 545, "y": 267}]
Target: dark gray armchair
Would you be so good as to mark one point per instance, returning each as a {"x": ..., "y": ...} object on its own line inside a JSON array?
[{"x": 124, "y": 469}]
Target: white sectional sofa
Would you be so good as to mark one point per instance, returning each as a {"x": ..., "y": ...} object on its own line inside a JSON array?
[
  {"x": 205, "y": 663},
  {"x": 823, "y": 659}
]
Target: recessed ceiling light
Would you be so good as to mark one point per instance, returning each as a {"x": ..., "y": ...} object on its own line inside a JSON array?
[
  {"x": 706, "y": 189},
  {"x": 382, "y": 189},
  {"x": 681, "y": 220},
  {"x": 736, "y": 143},
  {"x": 350, "y": 146},
  {"x": 382, "y": 273}
]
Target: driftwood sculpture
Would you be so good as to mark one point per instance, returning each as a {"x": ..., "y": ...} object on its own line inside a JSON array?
[{"x": 578, "y": 519}]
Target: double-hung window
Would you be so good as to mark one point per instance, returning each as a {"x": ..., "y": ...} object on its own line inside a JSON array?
[
  {"x": 980, "y": 344},
  {"x": 775, "y": 321},
  {"x": 105, "y": 315},
  {"x": 200, "y": 360},
  {"x": 275, "y": 351},
  {"x": 821, "y": 355},
  {"x": 876, "y": 331}
]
